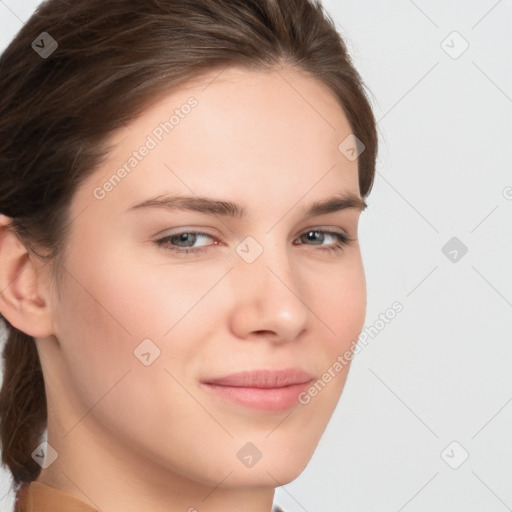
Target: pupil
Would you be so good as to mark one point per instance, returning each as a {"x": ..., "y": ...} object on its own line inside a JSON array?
[
  {"x": 187, "y": 237},
  {"x": 314, "y": 236}
]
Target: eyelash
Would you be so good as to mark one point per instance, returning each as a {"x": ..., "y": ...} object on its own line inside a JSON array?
[{"x": 343, "y": 240}]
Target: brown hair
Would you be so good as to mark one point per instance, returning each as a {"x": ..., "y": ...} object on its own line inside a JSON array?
[{"x": 113, "y": 59}]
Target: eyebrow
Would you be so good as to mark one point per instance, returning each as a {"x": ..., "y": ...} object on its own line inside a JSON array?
[{"x": 211, "y": 206}]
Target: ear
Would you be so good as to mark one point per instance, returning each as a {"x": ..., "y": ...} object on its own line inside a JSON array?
[{"x": 23, "y": 289}]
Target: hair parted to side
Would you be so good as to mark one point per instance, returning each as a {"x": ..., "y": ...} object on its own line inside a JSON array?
[{"x": 114, "y": 58}]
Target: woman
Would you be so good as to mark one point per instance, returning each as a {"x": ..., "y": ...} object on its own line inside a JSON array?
[{"x": 179, "y": 265}]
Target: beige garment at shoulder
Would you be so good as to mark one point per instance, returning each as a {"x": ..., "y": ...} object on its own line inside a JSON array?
[{"x": 39, "y": 497}]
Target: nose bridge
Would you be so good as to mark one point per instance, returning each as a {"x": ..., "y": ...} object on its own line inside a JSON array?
[{"x": 267, "y": 263}]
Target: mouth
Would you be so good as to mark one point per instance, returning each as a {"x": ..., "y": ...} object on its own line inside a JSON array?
[{"x": 264, "y": 390}]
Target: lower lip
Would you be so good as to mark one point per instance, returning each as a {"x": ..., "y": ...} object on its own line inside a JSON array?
[{"x": 263, "y": 399}]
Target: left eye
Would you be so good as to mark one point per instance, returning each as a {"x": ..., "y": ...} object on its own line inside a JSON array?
[
  {"x": 187, "y": 238},
  {"x": 318, "y": 236},
  {"x": 184, "y": 243}
]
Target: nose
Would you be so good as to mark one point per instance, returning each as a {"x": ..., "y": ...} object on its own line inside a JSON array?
[{"x": 268, "y": 297}]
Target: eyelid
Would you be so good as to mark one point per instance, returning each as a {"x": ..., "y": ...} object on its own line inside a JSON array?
[
  {"x": 185, "y": 229},
  {"x": 330, "y": 229}
]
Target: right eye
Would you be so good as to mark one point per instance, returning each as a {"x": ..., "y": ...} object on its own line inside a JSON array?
[{"x": 188, "y": 238}]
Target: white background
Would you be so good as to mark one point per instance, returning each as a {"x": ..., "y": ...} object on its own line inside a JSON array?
[{"x": 440, "y": 370}]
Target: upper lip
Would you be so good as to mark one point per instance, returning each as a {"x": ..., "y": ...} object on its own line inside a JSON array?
[{"x": 263, "y": 378}]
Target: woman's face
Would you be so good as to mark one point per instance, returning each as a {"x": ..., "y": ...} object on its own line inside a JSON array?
[{"x": 143, "y": 329}]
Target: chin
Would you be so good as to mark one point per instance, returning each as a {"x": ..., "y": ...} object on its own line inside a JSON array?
[
  {"x": 278, "y": 466},
  {"x": 264, "y": 476},
  {"x": 275, "y": 465}
]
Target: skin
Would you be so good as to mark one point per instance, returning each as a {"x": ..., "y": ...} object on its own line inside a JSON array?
[{"x": 131, "y": 437}]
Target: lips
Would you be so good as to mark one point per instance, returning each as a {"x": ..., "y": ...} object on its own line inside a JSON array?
[
  {"x": 264, "y": 390},
  {"x": 263, "y": 378}
]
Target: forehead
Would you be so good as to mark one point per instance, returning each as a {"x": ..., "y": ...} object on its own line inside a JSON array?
[{"x": 237, "y": 132}]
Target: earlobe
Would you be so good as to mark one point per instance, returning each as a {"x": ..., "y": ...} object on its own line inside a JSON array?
[{"x": 22, "y": 300}]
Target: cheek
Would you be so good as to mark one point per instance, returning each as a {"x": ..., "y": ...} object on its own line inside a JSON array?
[
  {"x": 106, "y": 311},
  {"x": 117, "y": 292},
  {"x": 111, "y": 303},
  {"x": 340, "y": 302},
  {"x": 94, "y": 339}
]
